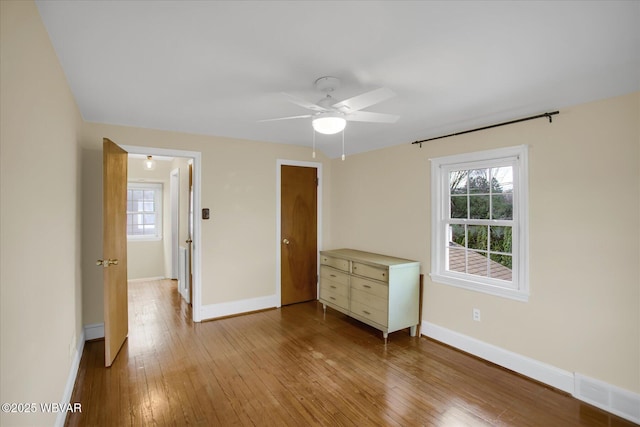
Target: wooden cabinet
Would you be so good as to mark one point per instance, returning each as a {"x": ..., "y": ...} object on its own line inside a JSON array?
[{"x": 379, "y": 290}]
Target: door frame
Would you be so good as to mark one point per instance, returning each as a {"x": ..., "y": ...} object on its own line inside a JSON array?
[
  {"x": 279, "y": 164},
  {"x": 174, "y": 196},
  {"x": 196, "y": 156}
]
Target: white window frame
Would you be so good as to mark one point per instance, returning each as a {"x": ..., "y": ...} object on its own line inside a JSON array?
[
  {"x": 158, "y": 189},
  {"x": 518, "y": 287}
]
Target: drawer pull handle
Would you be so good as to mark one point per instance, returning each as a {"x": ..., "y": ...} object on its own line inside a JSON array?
[
  {"x": 366, "y": 312},
  {"x": 332, "y": 298},
  {"x": 333, "y": 275},
  {"x": 366, "y": 286},
  {"x": 332, "y": 287}
]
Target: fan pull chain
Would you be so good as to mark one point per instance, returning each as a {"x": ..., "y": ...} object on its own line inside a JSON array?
[
  {"x": 343, "y": 145},
  {"x": 314, "y": 144}
]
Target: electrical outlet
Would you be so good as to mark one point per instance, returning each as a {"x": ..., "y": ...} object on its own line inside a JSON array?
[{"x": 476, "y": 314}]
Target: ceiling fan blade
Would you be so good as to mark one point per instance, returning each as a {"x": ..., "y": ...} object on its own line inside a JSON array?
[
  {"x": 305, "y": 104},
  {"x": 366, "y": 116},
  {"x": 306, "y": 116},
  {"x": 364, "y": 100}
]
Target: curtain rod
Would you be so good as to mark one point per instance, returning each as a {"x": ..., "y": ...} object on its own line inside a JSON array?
[{"x": 539, "y": 116}]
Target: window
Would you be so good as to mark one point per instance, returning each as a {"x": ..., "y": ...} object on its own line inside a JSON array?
[
  {"x": 144, "y": 211},
  {"x": 479, "y": 225}
]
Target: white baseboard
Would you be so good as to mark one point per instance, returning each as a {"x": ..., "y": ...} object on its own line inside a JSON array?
[
  {"x": 93, "y": 331},
  {"x": 213, "y": 311},
  {"x": 605, "y": 396},
  {"x": 71, "y": 380},
  {"x": 147, "y": 279}
]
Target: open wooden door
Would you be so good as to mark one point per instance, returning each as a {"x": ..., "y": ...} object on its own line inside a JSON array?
[
  {"x": 299, "y": 248},
  {"x": 114, "y": 249}
]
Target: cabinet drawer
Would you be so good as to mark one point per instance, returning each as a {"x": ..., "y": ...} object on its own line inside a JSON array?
[
  {"x": 377, "y": 289},
  {"x": 334, "y": 298},
  {"x": 335, "y": 287},
  {"x": 369, "y": 300},
  {"x": 380, "y": 317},
  {"x": 333, "y": 275},
  {"x": 371, "y": 272},
  {"x": 339, "y": 263}
]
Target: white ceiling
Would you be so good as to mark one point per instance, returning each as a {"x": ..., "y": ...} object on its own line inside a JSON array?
[{"x": 217, "y": 68}]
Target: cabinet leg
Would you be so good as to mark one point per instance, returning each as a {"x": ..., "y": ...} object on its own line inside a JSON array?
[
  {"x": 413, "y": 330},
  {"x": 324, "y": 308},
  {"x": 385, "y": 335}
]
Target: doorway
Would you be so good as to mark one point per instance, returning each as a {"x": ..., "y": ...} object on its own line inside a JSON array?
[
  {"x": 195, "y": 261},
  {"x": 286, "y": 246}
]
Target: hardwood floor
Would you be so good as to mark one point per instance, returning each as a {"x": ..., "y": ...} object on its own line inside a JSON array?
[{"x": 296, "y": 366}]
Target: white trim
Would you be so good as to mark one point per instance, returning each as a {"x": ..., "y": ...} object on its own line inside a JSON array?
[
  {"x": 213, "y": 311},
  {"x": 318, "y": 166},
  {"x": 93, "y": 331},
  {"x": 548, "y": 374},
  {"x": 608, "y": 397},
  {"x": 148, "y": 279},
  {"x": 71, "y": 379},
  {"x": 174, "y": 217},
  {"x": 196, "y": 156}
]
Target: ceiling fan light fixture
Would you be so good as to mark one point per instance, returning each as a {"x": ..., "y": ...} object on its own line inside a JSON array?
[{"x": 329, "y": 123}]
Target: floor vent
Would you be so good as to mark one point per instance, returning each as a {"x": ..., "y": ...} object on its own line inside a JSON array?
[{"x": 605, "y": 396}]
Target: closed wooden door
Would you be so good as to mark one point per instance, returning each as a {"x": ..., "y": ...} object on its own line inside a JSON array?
[
  {"x": 114, "y": 249},
  {"x": 298, "y": 240}
]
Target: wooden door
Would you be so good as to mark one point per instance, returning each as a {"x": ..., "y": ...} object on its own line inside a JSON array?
[
  {"x": 298, "y": 241},
  {"x": 114, "y": 249}
]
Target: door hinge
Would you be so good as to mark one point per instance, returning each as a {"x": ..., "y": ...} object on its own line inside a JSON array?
[{"x": 317, "y": 181}]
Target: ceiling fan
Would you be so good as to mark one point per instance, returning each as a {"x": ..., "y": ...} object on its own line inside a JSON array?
[{"x": 330, "y": 116}]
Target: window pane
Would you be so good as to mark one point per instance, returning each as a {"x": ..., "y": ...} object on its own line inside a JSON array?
[
  {"x": 458, "y": 182},
  {"x": 137, "y": 195},
  {"x": 478, "y": 181},
  {"x": 459, "y": 207},
  {"x": 457, "y": 260},
  {"x": 477, "y": 237},
  {"x": 148, "y": 206},
  {"x": 477, "y": 263},
  {"x": 501, "y": 267},
  {"x": 149, "y": 219},
  {"x": 502, "y": 206},
  {"x": 502, "y": 180},
  {"x": 457, "y": 234},
  {"x": 479, "y": 207},
  {"x": 501, "y": 239}
]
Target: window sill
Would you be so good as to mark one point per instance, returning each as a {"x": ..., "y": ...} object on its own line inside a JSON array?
[{"x": 498, "y": 291}]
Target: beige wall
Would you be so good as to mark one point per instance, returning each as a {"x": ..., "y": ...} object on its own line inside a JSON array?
[
  {"x": 238, "y": 186},
  {"x": 584, "y": 174},
  {"x": 40, "y": 291}
]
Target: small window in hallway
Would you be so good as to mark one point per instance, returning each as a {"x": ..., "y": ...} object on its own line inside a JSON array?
[{"x": 144, "y": 211}]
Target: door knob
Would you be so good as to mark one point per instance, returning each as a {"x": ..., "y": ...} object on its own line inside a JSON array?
[
  {"x": 188, "y": 241},
  {"x": 107, "y": 262},
  {"x": 285, "y": 241}
]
